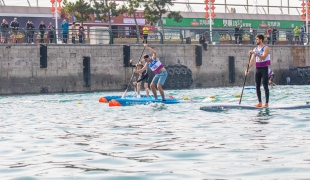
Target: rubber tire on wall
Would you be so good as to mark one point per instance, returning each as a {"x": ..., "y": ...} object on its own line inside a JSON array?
[
  {"x": 183, "y": 70},
  {"x": 177, "y": 70}
]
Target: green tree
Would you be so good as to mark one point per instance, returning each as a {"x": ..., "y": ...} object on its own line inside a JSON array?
[
  {"x": 80, "y": 9},
  {"x": 104, "y": 10},
  {"x": 154, "y": 10},
  {"x": 132, "y": 7}
]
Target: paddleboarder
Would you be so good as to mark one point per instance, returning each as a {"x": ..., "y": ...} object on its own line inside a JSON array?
[
  {"x": 143, "y": 79},
  {"x": 261, "y": 56},
  {"x": 159, "y": 70}
]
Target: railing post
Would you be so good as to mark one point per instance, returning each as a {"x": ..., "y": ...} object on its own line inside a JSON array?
[
  {"x": 54, "y": 36},
  {"x": 111, "y": 37},
  {"x": 137, "y": 31},
  {"x": 230, "y": 38},
  {"x": 161, "y": 37},
  {"x": 25, "y": 36},
  {"x": 181, "y": 37}
]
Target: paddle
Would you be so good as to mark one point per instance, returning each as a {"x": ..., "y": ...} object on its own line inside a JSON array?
[
  {"x": 247, "y": 69},
  {"x": 132, "y": 75}
]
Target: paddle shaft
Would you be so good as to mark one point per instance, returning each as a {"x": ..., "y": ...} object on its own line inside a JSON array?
[
  {"x": 247, "y": 69},
  {"x": 132, "y": 75}
]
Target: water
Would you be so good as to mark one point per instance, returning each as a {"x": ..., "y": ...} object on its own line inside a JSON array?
[{"x": 54, "y": 137}]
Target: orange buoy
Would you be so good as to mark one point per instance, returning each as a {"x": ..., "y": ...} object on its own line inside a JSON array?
[
  {"x": 114, "y": 103},
  {"x": 103, "y": 100}
]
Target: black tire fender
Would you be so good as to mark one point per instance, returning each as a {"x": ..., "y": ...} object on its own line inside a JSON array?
[
  {"x": 170, "y": 71},
  {"x": 176, "y": 70},
  {"x": 183, "y": 70}
]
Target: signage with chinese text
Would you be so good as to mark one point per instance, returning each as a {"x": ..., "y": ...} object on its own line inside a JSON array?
[{"x": 203, "y": 22}]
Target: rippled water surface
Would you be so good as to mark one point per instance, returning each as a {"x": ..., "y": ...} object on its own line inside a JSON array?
[{"x": 56, "y": 137}]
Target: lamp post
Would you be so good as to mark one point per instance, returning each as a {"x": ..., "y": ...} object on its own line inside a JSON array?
[
  {"x": 55, "y": 10},
  {"x": 305, "y": 16},
  {"x": 210, "y": 15}
]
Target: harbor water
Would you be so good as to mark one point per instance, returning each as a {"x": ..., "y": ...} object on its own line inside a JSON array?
[{"x": 73, "y": 136}]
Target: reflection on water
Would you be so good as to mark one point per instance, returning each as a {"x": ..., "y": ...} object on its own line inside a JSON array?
[
  {"x": 53, "y": 137},
  {"x": 263, "y": 116}
]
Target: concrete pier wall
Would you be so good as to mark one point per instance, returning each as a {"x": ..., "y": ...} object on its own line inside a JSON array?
[{"x": 20, "y": 71}]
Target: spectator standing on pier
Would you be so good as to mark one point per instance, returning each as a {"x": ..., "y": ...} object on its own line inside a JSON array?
[
  {"x": 202, "y": 41},
  {"x": 236, "y": 34},
  {"x": 296, "y": 35},
  {"x": 274, "y": 35},
  {"x": 251, "y": 35},
  {"x": 302, "y": 34},
  {"x": 81, "y": 33},
  {"x": 50, "y": 32},
  {"x": 42, "y": 28},
  {"x": 4, "y": 31},
  {"x": 240, "y": 35},
  {"x": 73, "y": 32},
  {"x": 269, "y": 35},
  {"x": 14, "y": 26},
  {"x": 145, "y": 33},
  {"x": 65, "y": 30},
  {"x": 29, "y": 32}
]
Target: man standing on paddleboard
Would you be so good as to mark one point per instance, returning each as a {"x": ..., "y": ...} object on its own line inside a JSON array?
[
  {"x": 261, "y": 57},
  {"x": 160, "y": 72}
]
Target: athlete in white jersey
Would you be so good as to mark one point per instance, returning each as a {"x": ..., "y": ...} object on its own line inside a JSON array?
[
  {"x": 160, "y": 72},
  {"x": 261, "y": 57}
]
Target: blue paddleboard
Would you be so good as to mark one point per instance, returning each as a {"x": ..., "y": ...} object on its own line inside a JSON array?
[{"x": 127, "y": 101}]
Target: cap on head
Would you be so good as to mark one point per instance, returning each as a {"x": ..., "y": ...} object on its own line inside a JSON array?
[{"x": 146, "y": 56}]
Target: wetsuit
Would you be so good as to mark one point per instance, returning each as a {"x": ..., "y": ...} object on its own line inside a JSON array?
[
  {"x": 262, "y": 73},
  {"x": 144, "y": 77}
]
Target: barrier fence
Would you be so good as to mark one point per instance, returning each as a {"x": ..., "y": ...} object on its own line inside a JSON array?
[{"x": 103, "y": 35}]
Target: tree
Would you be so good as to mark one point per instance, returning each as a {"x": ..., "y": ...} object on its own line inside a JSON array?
[
  {"x": 104, "y": 10},
  {"x": 80, "y": 9},
  {"x": 132, "y": 9},
  {"x": 154, "y": 10}
]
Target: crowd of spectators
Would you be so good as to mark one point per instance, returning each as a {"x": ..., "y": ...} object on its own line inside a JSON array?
[{"x": 12, "y": 32}]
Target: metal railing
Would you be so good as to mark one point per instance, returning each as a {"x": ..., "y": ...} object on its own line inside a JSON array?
[
  {"x": 103, "y": 35},
  {"x": 279, "y": 38}
]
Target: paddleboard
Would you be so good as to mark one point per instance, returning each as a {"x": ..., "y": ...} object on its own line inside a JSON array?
[
  {"x": 106, "y": 99},
  {"x": 224, "y": 107},
  {"x": 250, "y": 88},
  {"x": 128, "y": 101}
]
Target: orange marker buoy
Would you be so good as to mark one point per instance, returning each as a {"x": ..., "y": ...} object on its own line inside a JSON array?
[
  {"x": 114, "y": 103},
  {"x": 103, "y": 100}
]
